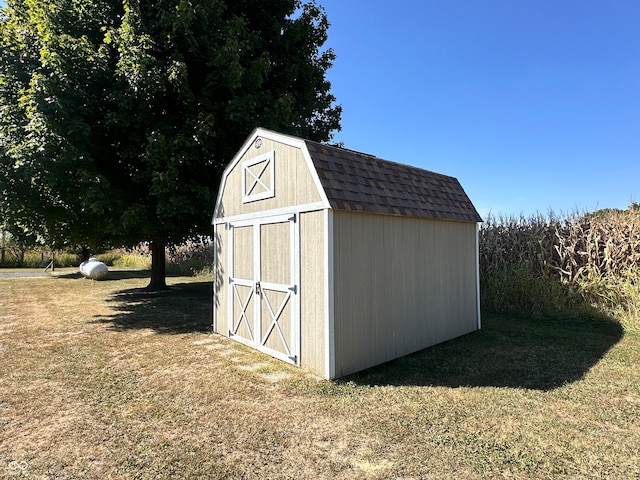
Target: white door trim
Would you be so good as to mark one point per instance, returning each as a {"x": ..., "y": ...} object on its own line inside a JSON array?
[
  {"x": 307, "y": 207},
  {"x": 291, "y": 339}
]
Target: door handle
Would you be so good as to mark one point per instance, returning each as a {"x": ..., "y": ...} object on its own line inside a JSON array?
[{"x": 258, "y": 288}]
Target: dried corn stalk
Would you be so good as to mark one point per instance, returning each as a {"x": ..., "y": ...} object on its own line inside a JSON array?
[{"x": 573, "y": 248}]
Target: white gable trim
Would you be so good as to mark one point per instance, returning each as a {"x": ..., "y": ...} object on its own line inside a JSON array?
[
  {"x": 276, "y": 137},
  {"x": 314, "y": 175}
]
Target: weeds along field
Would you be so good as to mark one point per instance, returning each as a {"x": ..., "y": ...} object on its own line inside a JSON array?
[
  {"x": 192, "y": 257},
  {"x": 562, "y": 264}
]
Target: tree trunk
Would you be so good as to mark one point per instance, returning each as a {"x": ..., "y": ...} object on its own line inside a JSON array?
[
  {"x": 85, "y": 254},
  {"x": 158, "y": 270}
]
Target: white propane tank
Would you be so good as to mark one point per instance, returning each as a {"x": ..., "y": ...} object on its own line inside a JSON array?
[{"x": 93, "y": 269}]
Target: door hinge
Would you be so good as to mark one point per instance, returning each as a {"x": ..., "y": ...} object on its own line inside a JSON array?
[
  {"x": 294, "y": 289},
  {"x": 293, "y": 219}
]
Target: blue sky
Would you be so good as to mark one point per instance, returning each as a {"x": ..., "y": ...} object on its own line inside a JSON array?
[{"x": 532, "y": 105}]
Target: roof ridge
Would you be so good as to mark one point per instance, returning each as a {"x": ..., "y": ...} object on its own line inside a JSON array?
[{"x": 404, "y": 166}]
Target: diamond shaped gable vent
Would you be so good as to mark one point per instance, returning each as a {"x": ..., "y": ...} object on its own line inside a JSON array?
[{"x": 258, "y": 178}]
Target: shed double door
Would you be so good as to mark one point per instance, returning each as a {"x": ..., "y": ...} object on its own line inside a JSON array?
[{"x": 263, "y": 278}]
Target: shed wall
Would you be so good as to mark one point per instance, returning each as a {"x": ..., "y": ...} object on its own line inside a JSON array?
[
  {"x": 401, "y": 284},
  {"x": 294, "y": 184},
  {"x": 312, "y": 292},
  {"x": 220, "y": 280}
]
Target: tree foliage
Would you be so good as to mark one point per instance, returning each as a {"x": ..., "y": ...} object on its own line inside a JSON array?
[{"x": 118, "y": 116}]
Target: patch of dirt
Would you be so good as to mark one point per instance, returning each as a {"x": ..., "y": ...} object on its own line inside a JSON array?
[
  {"x": 253, "y": 366},
  {"x": 275, "y": 377},
  {"x": 204, "y": 341}
]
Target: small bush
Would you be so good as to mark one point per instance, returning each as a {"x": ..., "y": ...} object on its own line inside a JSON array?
[
  {"x": 110, "y": 258},
  {"x": 192, "y": 258},
  {"x": 133, "y": 261}
]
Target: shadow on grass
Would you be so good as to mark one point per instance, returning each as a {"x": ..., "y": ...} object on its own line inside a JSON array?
[
  {"x": 114, "y": 275},
  {"x": 540, "y": 353},
  {"x": 183, "y": 308}
]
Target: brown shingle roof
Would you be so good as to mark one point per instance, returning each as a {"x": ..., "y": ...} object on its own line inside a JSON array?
[{"x": 365, "y": 183}]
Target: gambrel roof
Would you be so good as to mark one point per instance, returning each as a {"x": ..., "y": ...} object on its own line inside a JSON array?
[
  {"x": 365, "y": 183},
  {"x": 360, "y": 182}
]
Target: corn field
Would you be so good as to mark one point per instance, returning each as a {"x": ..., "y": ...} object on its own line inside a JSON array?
[{"x": 590, "y": 258}]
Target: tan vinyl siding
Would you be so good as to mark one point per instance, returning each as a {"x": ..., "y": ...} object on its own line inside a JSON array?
[
  {"x": 312, "y": 292},
  {"x": 221, "y": 276},
  {"x": 294, "y": 184},
  {"x": 401, "y": 284}
]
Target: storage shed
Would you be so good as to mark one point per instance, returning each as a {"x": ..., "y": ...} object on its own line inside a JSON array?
[{"x": 336, "y": 260}]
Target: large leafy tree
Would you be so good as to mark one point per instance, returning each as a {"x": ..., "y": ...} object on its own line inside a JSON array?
[
  {"x": 52, "y": 92},
  {"x": 119, "y": 115}
]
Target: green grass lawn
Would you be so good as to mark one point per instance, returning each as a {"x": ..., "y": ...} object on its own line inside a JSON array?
[{"x": 105, "y": 380}]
